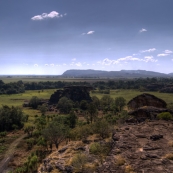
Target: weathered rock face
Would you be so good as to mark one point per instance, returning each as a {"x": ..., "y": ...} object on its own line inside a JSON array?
[
  {"x": 146, "y": 100},
  {"x": 145, "y": 147},
  {"x": 147, "y": 112},
  {"x": 74, "y": 93}
]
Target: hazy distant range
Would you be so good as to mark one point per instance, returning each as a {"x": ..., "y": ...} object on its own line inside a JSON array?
[
  {"x": 99, "y": 74},
  {"x": 113, "y": 74}
]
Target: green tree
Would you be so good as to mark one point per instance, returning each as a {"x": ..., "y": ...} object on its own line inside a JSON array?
[
  {"x": 106, "y": 102},
  {"x": 55, "y": 133},
  {"x": 40, "y": 122},
  {"x": 72, "y": 119},
  {"x": 120, "y": 102},
  {"x": 92, "y": 112},
  {"x": 65, "y": 105},
  {"x": 10, "y": 118},
  {"x": 96, "y": 101},
  {"x": 43, "y": 108},
  {"x": 103, "y": 128},
  {"x": 29, "y": 130},
  {"x": 84, "y": 105},
  {"x": 34, "y": 102}
]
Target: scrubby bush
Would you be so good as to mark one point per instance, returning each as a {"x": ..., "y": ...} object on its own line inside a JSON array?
[
  {"x": 81, "y": 132},
  {"x": 79, "y": 161},
  {"x": 165, "y": 116},
  {"x": 99, "y": 148},
  {"x": 102, "y": 127}
]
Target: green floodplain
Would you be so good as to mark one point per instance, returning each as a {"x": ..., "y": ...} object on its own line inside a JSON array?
[{"x": 18, "y": 99}]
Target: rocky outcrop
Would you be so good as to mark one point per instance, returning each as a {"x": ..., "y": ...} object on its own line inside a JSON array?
[
  {"x": 145, "y": 147},
  {"x": 146, "y": 100},
  {"x": 147, "y": 112},
  {"x": 74, "y": 93}
]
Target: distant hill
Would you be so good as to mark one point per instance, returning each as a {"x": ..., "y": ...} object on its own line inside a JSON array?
[
  {"x": 170, "y": 74},
  {"x": 113, "y": 74}
]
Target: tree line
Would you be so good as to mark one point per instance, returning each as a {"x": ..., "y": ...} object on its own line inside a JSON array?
[{"x": 143, "y": 84}]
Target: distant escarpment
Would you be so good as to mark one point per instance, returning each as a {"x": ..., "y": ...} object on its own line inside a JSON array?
[{"x": 113, "y": 74}]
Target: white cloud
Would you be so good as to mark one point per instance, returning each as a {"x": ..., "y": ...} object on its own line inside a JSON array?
[
  {"x": 35, "y": 65},
  {"x": 50, "y": 15},
  {"x": 106, "y": 61},
  {"x": 126, "y": 59},
  {"x": 149, "y": 50},
  {"x": 64, "y": 64},
  {"x": 142, "y": 30},
  {"x": 90, "y": 32},
  {"x": 149, "y": 59},
  {"x": 52, "y": 65},
  {"x": 78, "y": 64},
  {"x": 162, "y": 54},
  {"x": 74, "y": 59},
  {"x": 168, "y": 51},
  {"x": 46, "y": 64},
  {"x": 83, "y": 33}
]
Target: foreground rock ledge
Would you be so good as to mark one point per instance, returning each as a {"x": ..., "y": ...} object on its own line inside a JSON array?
[{"x": 135, "y": 145}]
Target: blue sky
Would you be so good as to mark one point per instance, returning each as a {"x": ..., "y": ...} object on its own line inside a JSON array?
[{"x": 51, "y": 36}]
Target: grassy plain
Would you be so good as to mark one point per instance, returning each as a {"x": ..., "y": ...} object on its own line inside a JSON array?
[
  {"x": 129, "y": 94},
  {"x": 18, "y": 99},
  {"x": 49, "y": 78}
]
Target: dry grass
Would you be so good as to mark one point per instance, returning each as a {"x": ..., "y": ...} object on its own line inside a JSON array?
[
  {"x": 169, "y": 156},
  {"x": 120, "y": 161},
  {"x": 129, "y": 169},
  {"x": 170, "y": 143}
]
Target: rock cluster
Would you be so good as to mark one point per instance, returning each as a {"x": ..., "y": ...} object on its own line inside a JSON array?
[
  {"x": 74, "y": 93},
  {"x": 146, "y": 100},
  {"x": 146, "y": 112},
  {"x": 141, "y": 149}
]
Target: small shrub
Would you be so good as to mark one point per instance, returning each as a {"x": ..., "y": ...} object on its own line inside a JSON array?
[
  {"x": 3, "y": 134},
  {"x": 2, "y": 148},
  {"x": 95, "y": 148},
  {"x": 79, "y": 161},
  {"x": 165, "y": 116},
  {"x": 99, "y": 149}
]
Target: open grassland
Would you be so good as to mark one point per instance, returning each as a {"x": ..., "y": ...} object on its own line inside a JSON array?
[
  {"x": 18, "y": 99},
  {"x": 129, "y": 94},
  {"x": 51, "y": 79}
]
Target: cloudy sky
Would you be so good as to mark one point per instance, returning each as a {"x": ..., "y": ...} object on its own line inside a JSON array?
[{"x": 51, "y": 36}]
